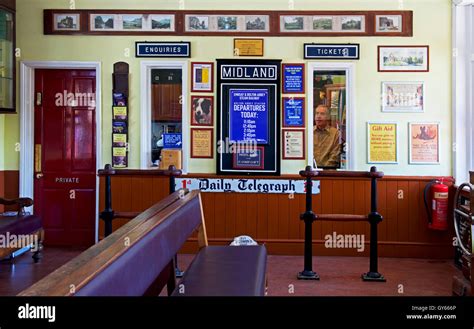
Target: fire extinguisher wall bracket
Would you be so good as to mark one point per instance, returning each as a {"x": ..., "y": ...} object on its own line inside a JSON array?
[{"x": 438, "y": 212}]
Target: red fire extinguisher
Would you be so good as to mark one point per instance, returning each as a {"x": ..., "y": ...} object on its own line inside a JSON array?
[{"x": 438, "y": 212}]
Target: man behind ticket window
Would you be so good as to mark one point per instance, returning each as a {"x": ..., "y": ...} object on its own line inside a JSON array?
[{"x": 327, "y": 148}]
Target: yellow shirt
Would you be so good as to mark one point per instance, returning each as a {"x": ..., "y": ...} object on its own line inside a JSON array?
[{"x": 327, "y": 147}]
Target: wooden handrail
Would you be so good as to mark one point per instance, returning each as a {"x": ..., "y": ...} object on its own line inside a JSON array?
[
  {"x": 109, "y": 171},
  {"x": 342, "y": 218},
  {"x": 373, "y": 173}
]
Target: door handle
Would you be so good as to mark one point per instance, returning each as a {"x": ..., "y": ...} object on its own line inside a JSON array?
[{"x": 39, "y": 175}]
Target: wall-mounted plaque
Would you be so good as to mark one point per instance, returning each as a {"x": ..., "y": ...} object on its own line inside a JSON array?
[
  {"x": 293, "y": 144},
  {"x": 331, "y": 51},
  {"x": 162, "y": 49},
  {"x": 293, "y": 112},
  {"x": 249, "y": 158},
  {"x": 293, "y": 78},
  {"x": 201, "y": 143},
  {"x": 248, "y": 47}
]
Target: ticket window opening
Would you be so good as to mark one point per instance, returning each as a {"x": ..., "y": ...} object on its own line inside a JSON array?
[{"x": 329, "y": 120}]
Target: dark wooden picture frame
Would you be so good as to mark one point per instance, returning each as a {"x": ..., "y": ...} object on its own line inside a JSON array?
[
  {"x": 303, "y": 77},
  {"x": 211, "y": 76},
  {"x": 284, "y": 112},
  {"x": 283, "y": 155},
  {"x": 211, "y": 143},
  {"x": 193, "y": 110},
  {"x": 273, "y": 28},
  {"x": 381, "y": 47},
  {"x": 261, "y": 149}
]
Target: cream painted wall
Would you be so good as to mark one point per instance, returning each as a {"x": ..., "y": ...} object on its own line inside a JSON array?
[
  {"x": 2, "y": 141},
  {"x": 432, "y": 26}
]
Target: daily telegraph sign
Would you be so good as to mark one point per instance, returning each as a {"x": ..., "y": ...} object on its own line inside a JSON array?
[
  {"x": 163, "y": 49},
  {"x": 331, "y": 51},
  {"x": 281, "y": 186}
]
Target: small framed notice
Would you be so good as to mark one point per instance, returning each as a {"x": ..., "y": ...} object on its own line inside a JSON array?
[
  {"x": 293, "y": 78},
  {"x": 249, "y": 158},
  {"x": 382, "y": 142},
  {"x": 201, "y": 143},
  {"x": 424, "y": 142},
  {"x": 202, "y": 75},
  {"x": 248, "y": 47},
  {"x": 293, "y": 112},
  {"x": 293, "y": 144}
]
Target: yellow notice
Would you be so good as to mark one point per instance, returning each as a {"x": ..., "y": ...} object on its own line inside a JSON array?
[
  {"x": 248, "y": 47},
  {"x": 382, "y": 142}
]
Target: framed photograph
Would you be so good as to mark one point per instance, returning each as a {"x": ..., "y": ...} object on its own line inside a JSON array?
[
  {"x": 201, "y": 143},
  {"x": 403, "y": 58},
  {"x": 132, "y": 22},
  {"x": 423, "y": 142},
  {"x": 352, "y": 23},
  {"x": 292, "y": 23},
  {"x": 323, "y": 23},
  {"x": 248, "y": 47},
  {"x": 101, "y": 22},
  {"x": 67, "y": 22},
  {"x": 293, "y": 78},
  {"x": 257, "y": 23},
  {"x": 382, "y": 142},
  {"x": 248, "y": 158},
  {"x": 202, "y": 76},
  {"x": 293, "y": 144},
  {"x": 388, "y": 23},
  {"x": 202, "y": 110},
  {"x": 403, "y": 96},
  {"x": 197, "y": 23},
  {"x": 293, "y": 112},
  {"x": 227, "y": 23},
  {"x": 162, "y": 22}
]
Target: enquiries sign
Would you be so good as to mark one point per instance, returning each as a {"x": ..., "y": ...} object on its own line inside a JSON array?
[{"x": 282, "y": 186}]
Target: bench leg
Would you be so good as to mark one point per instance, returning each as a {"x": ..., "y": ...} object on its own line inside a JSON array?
[{"x": 36, "y": 256}]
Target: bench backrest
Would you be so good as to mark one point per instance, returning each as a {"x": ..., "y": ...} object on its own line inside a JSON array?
[{"x": 128, "y": 262}]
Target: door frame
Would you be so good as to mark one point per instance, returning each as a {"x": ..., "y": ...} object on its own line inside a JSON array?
[
  {"x": 349, "y": 67},
  {"x": 27, "y": 120},
  {"x": 145, "y": 109}
]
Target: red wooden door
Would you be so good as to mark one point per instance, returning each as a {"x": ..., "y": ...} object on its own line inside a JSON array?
[{"x": 65, "y": 155}]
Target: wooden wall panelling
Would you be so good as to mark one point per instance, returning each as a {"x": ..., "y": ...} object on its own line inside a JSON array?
[
  {"x": 251, "y": 215},
  {"x": 283, "y": 216},
  {"x": 391, "y": 215},
  {"x": 262, "y": 216},
  {"x": 403, "y": 211},
  {"x": 2, "y": 188},
  {"x": 241, "y": 206},
  {"x": 219, "y": 214},
  {"x": 272, "y": 216}
]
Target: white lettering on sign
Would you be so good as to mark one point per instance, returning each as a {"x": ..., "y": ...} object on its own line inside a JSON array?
[
  {"x": 283, "y": 186},
  {"x": 67, "y": 180},
  {"x": 261, "y": 72}
]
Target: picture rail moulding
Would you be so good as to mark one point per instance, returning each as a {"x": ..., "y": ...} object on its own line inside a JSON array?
[{"x": 390, "y": 23}]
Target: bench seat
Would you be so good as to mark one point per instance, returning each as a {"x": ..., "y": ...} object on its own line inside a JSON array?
[
  {"x": 225, "y": 271},
  {"x": 20, "y": 225}
]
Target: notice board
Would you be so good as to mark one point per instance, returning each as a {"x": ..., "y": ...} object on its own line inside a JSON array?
[{"x": 248, "y": 116}]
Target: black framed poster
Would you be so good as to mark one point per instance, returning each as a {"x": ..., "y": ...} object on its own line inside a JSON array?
[{"x": 248, "y": 100}]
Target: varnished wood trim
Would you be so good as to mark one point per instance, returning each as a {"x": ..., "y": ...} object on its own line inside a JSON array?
[
  {"x": 202, "y": 233},
  {"x": 342, "y": 217}
]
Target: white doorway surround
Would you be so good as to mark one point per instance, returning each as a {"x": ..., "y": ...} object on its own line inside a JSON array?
[
  {"x": 27, "y": 85},
  {"x": 349, "y": 69},
  {"x": 145, "y": 109}
]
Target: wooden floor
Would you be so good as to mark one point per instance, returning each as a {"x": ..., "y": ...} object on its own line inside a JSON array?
[{"x": 340, "y": 276}]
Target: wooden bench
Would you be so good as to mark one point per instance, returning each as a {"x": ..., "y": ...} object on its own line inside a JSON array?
[
  {"x": 138, "y": 259},
  {"x": 21, "y": 230}
]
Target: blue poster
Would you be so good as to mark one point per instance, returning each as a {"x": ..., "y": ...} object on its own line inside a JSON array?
[
  {"x": 293, "y": 78},
  {"x": 172, "y": 141},
  {"x": 293, "y": 112},
  {"x": 248, "y": 109}
]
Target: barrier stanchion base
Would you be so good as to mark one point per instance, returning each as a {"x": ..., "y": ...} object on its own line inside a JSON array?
[
  {"x": 373, "y": 276},
  {"x": 308, "y": 275}
]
